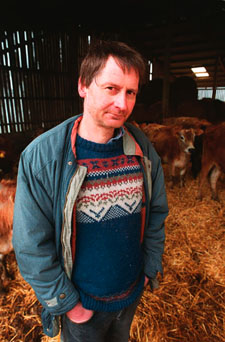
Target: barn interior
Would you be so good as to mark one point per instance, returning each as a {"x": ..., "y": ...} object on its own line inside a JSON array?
[
  {"x": 42, "y": 46},
  {"x": 40, "y": 62}
]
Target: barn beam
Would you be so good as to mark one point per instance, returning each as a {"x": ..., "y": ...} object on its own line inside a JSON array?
[{"x": 215, "y": 79}]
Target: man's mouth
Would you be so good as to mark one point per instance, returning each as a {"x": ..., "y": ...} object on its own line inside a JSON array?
[{"x": 116, "y": 116}]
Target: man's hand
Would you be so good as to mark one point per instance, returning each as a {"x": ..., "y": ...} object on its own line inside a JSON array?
[
  {"x": 79, "y": 314},
  {"x": 146, "y": 281}
]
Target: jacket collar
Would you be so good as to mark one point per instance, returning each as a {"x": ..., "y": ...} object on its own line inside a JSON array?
[
  {"x": 74, "y": 134},
  {"x": 130, "y": 146}
]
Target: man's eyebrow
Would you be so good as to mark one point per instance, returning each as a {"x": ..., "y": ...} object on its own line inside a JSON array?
[
  {"x": 111, "y": 84},
  {"x": 108, "y": 83}
]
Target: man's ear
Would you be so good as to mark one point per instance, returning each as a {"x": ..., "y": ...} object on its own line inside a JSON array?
[{"x": 81, "y": 89}]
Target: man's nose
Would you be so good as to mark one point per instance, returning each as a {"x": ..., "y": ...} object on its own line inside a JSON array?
[{"x": 121, "y": 101}]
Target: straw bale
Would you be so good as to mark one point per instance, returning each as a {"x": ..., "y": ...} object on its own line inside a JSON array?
[{"x": 189, "y": 305}]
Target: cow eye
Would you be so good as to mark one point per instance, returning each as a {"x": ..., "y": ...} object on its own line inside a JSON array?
[{"x": 182, "y": 137}]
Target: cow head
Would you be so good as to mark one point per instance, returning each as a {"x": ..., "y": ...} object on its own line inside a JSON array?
[{"x": 186, "y": 139}]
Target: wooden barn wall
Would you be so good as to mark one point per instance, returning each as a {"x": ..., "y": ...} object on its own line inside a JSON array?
[{"x": 38, "y": 76}]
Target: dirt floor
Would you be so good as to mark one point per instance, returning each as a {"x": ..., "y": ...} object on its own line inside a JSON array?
[{"x": 189, "y": 305}]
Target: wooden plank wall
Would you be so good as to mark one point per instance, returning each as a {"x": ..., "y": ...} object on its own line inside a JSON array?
[{"x": 38, "y": 79}]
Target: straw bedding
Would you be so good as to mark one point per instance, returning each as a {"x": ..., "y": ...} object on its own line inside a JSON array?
[{"x": 190, "y": 302}]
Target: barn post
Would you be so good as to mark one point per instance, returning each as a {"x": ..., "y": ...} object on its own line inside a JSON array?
[
  {"x": 215, "y": 78},
  {"x": 167, "y": 54},
  {"x": 166, "y": 79},
  {"x": 73, "y": 68}
]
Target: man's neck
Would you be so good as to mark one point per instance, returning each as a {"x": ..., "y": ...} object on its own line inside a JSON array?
[{"x": 101, "y": 135}]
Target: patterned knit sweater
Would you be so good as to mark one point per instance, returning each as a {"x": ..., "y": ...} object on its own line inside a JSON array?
[{"x": 108, "y": 266}]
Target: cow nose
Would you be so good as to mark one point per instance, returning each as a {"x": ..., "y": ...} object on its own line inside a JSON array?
[{"x": 191, "y": 150}]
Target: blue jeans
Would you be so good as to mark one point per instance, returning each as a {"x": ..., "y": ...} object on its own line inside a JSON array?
[{"x": 102, "y": 327}]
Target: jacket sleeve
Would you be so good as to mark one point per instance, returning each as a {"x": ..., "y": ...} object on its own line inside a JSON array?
[
  {"x": 154, "y": 236},
  {"x": 34, "y": 243}
]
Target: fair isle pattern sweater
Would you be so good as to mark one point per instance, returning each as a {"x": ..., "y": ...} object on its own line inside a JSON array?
[{"x": 108, "y": 266}]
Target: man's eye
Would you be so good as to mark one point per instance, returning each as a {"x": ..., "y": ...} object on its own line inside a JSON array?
[
  {"x": 111, "y": 90},
  {"x": 131, "y": 93}
]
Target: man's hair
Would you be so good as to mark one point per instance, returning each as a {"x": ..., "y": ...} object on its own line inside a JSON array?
[{"x": 98, "y": 54}]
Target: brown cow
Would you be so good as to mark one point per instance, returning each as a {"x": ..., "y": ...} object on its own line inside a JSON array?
[
  {"x": 213, "y": 158},
  {"x": 195, "y": 123},
  {"x": 174, "y": 145},
  {"x": 187, "y": 122},
  {"x": 7, "y": 195}
]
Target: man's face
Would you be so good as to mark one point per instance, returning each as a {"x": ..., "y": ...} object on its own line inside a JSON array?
[{"x": 110, "y": 98}]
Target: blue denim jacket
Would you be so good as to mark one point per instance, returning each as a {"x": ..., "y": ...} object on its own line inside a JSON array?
[{"x": 48, "y": 183}]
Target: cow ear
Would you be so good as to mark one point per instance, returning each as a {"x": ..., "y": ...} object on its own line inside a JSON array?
[{"x": 198, "y": 131}]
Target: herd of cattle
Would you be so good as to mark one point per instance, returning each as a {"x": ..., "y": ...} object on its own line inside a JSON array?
[{"x": 179, "y": 141}]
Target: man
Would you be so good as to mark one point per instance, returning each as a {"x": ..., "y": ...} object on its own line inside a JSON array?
[{"x": 90, "y": 206}]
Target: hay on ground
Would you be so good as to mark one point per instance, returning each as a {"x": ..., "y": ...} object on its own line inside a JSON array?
[
  {"x": 189, "y": 306},
  {"x": 190, "y": 303}
]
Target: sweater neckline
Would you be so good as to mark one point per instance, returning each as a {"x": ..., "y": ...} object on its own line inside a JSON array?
[{"x": 112, "y": 145}]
